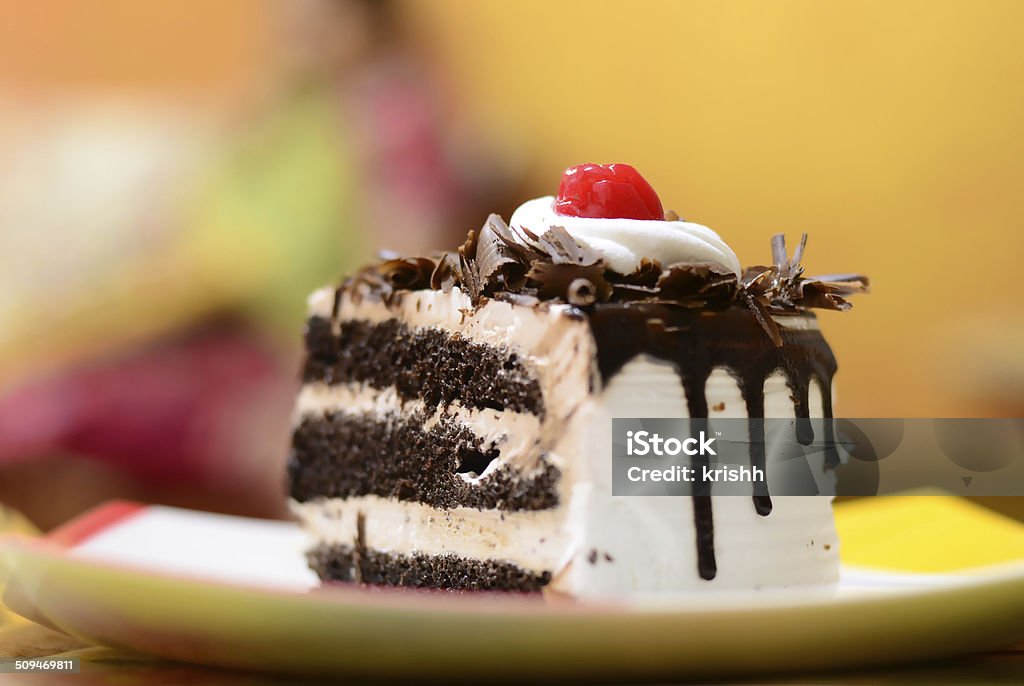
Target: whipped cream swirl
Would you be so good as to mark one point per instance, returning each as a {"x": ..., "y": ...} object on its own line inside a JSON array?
[{"x": 623, "y": 243}]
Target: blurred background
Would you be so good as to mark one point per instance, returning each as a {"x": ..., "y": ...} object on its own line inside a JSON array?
[{"x": 175, "y": 178}]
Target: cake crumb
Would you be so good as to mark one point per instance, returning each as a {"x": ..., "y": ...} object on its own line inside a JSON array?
[
  {"x": 828, "y": 546},
  {"x": 718, "y": 407}
]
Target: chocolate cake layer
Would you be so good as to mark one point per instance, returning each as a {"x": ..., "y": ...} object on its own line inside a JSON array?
[
  {"x": 348, "y": 563},
  {"x": 391, "y": 456},
  {"x": 426, "y": 364}
]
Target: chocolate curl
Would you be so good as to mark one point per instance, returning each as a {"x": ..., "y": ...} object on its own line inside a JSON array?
[
  {"x": 798, "y": 254},
  {"x": 446, "y": 274},
  {"x": 468, "y": 248},
  {"x": 470, "y": 275},
  {"x": 471, "y": 281},
  {"x": 499, "y": 262},
  {"x": 829, "y": 292},
  {"x": 521, "y": 244},
  {"x": 562, "y": 281},
  {"x": 646, "y": 275},
  {"x": 781, "y": 287},
  {"x": 526, "y": 237},
  {"x": 779, "y": 257},
  {"x": 562, "y": 248},
  {"x": 758, "y": 280},
  {"x": 640, "y": 284},
  {"x": 757, "y": 290},
  {"x": 409, "y": 273},
  {"x": 581, "y": 292},
  {"x": 704, "y": 282},
  {"x": 844, "y": 284},
  {"x": 763, "y": 317},
  {"x": 514, "y": 263},
  {"x": 787, "y": 268}
]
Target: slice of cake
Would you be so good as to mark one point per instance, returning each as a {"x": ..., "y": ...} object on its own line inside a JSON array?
[{"x": 454, "y": 426}]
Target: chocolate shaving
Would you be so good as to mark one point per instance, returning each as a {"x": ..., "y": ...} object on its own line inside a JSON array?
[
  {"x": 779, "y": 257},
  {"x": 446, "y": 273},
  {"x": 410, "y": 273},
  {"x": 562, "y": 248},
  {"x": 798, "y": 254},
  {"x": 581, "y": 292},
  {"x": 523, "y": 248},
  {"x": 529, "y": 237},
  {"x": 468, "y": 247},
  {"x": 763, "y": 318},
  {"x": 640, "y": 284},
  {"x": 468, "y": 270},
  {"x": 471, "y": 281},
  {"x": 756, "y": 279},
  {"x": 646, "y": 275},
  {"x": 499, "y": 264},
  {"x": 782, "y": 289},
  {"x": 555, "y": 281},
  {"x": 827, "y": 292},
  {"x": 705, "y": 282},
  {"x": 516, "y": 265}
]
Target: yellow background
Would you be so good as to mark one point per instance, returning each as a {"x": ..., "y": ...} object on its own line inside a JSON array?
[{"x": 890, "y": 131}]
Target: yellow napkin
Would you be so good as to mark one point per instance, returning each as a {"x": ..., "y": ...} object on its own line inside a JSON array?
[{"x": 925, "y": 533}]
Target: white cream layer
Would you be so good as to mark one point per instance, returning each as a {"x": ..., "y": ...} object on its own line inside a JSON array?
[
  {"x": 651, "y": 540},
  {"x": 535, "y": 541},
  {"x": 624, "y": 243}
]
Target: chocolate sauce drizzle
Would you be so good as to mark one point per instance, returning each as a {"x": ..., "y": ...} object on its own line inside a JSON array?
[
  {"x": 698, "y": 317},
  {"x": 696, "y": 342}
]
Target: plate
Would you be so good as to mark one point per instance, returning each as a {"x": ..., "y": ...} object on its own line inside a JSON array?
[{"x": 234, "y": 592}]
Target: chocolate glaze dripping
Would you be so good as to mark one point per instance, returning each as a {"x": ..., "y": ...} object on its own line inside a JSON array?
[
  {"x": 753, "y": 395},
  {"x": 831, "y": 455},
  {"x": 698, "y": 341},
  {"x": 703, "y": 517},
  {"x": 704, "y": 521}
]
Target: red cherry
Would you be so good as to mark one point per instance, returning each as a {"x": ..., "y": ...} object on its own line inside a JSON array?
[{"x": 607, "y": 191}]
